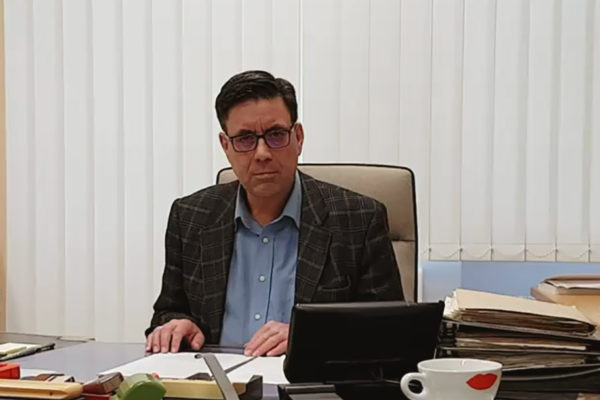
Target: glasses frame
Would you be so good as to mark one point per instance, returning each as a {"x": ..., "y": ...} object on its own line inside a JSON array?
[{"x": 258, "y": 137}]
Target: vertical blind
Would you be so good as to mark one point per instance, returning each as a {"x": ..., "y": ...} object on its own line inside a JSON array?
[{"x": 495, "y": 104}]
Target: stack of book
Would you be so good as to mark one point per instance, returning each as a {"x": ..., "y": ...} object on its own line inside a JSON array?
[{"x": 545, "y": 348}]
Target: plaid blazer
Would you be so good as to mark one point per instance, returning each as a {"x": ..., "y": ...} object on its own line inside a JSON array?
[{"x": 344, "y": 253}]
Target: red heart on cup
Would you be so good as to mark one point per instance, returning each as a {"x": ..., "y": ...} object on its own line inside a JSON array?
[{"x": 482, "y": 382}]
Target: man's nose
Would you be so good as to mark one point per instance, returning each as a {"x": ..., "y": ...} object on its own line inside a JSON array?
[{"x": 262, "y": 151}]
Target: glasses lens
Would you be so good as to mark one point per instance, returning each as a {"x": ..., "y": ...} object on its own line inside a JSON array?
[
  {"x": 244, "y": 143},
  {"x": 277, "y": 139}
]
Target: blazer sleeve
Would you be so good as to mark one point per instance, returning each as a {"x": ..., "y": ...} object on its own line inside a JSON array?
[
  {"x": 172, "y": 302},
  {"x": 380, "y": 277}
]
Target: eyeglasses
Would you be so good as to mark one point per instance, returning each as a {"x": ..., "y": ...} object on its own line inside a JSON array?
[{"x": 275, "y": 139}]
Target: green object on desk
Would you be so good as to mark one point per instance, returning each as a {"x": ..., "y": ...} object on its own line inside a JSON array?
[{"x": 140, "y": 387}]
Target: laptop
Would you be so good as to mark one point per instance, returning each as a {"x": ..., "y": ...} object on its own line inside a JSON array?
[{"x": 360, "y": 343}]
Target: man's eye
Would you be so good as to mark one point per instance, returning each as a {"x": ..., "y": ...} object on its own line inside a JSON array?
[
  {"x": 245, "y": 139},
  {"x": 277, "y": 134}
]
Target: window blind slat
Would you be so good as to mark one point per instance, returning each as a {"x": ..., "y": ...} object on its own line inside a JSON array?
[
  {"x": 49, "y": 156},
  {"x": 510, "y": 107},
  {"x": 20, "y": 304},
  {"x": 137, "y": 164},
  {"x": 446, "y": 126},
  {"x": 477, "y": 128},
  {"x": 414, "y": 132},
  {"x": 108, "y": 170},
  {"x": 594, "y": 181},
  {"x": 79, "y": 172},
  {"x": 541, "y": 132},
  {"x": 572, "y": 230}
]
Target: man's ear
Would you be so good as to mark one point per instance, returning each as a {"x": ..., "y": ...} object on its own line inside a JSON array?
[
  {"x": 224, "y": 141},
  {"x": 299, "y": 132}
]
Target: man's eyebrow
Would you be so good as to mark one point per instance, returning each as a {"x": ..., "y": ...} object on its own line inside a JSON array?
[
  {"x": 275, "y": 126},
  {"x": 243, "y": 132}
]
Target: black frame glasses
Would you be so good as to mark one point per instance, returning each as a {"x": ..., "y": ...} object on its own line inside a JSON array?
[{"x": 276, "y": 138}]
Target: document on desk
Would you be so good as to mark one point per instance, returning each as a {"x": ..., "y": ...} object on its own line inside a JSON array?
[
  {"x": 9, "y": 351},
  {"x": 183, "y": 365},
  {"x": 270, "y": 368},
  {"x": 6, "y": 348},
  {"x": 175, "y": 365}
]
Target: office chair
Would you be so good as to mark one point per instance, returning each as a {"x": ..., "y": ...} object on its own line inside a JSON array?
[{"x": 391, "y": 185}]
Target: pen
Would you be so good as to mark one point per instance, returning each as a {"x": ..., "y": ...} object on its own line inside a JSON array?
[
  {"x": 236, "y": 366},
  {"x": 233, "y": 367}
]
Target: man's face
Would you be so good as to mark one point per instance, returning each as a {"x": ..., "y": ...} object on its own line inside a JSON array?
[{"x": 264, "y": 172}]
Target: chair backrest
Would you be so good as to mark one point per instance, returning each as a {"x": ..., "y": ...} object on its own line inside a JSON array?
[{"x": 391, "y": 185}]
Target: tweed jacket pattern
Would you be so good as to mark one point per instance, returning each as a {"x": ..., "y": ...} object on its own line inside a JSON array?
[{"x": 344, "y": 253}]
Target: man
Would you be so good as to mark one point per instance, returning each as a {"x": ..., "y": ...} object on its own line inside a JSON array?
[{"x": 239, "y": 255}]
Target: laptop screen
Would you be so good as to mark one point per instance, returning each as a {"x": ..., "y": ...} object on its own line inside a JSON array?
[{"x": 360, "y": 342}]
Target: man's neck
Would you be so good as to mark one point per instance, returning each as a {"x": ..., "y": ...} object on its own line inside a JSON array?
[{"x": 267, "y": 209}]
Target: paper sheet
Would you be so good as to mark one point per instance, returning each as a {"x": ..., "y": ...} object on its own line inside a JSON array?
[
  {"x": 182, "y": 365},
  {"x": 271, "y": 369},
  {"x": 575, "y": 281},
  {"x": 175, "y": 365}
]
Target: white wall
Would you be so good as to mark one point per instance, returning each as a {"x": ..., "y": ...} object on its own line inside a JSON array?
[{"x": 495, "y": 104}]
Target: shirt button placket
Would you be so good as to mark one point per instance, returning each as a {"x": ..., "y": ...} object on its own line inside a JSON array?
[{"x": 262, "y": 278}]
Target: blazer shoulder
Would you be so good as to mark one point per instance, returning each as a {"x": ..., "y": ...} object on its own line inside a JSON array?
[
  {"x": 209, "y": 204},
  {"x": 342, "y": 201}
]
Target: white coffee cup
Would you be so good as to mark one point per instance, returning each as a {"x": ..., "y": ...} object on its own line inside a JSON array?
[{"x": 454, "y": 379}]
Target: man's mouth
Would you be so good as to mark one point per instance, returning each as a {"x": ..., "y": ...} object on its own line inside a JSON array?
[{"x": 265, "y": 174}]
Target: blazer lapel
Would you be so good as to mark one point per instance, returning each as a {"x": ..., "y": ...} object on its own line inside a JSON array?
[
  {"x": 313, "y": 242},
  {"x": 216, "y": 244}
]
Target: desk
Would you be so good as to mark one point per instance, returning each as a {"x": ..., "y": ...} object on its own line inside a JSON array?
[{"x": 85, "y": 360}]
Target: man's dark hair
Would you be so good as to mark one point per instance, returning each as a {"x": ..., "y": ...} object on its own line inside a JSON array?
[{"x": 254, "y": 85}]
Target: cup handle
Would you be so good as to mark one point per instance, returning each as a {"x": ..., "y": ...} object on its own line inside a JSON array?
[{"x": 413, "y": 376}]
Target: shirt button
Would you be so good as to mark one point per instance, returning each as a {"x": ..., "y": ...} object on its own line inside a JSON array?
[
  {"x": 257, "y": 316},
  {"x": 261, "y": 278},
  {"x": 265, "y": 240}
]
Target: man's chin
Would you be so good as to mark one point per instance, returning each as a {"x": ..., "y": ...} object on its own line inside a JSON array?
[{"x": 265, "y": 189}]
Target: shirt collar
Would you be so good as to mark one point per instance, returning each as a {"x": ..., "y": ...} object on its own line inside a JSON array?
[{"x": 292, "y": 208}]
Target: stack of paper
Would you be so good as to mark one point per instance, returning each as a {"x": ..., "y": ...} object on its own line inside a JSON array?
[
  {"x": 538, "y": 343},
  {"x": 581, "y": 291},
  {"x": 489, "y": 308},
  {"x": 514, "y": 349}
]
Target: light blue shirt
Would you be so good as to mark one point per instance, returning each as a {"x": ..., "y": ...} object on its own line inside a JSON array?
[{"x": 262, "y": 274}]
